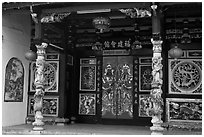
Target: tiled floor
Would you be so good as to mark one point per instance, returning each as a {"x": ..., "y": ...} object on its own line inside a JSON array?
[{"x": 88, "y": 129}]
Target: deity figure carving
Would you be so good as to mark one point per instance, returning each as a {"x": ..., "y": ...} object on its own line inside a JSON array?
[
  {"x": 39, "y": 74},
  {"x": 157, "y": 71},
  {"x": 117, "y": 85},
  {"x": 108, "y": 77}
]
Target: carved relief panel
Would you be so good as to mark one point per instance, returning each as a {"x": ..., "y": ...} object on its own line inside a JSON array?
[
  {"x": 145, "y": 81},
  {"x": 87, "y": 74},
  {"x": 50, "y": 106},
  {"x": 87, "y": 104},
  {"x": 87, "y": 84},
  {"x": 184, "y": 110},
  {"x": 145, "y": 77},
  {"x": 14, "y": 81},
  {"x": 51, "y": 73},
  {"x": 185, "y": 76}
]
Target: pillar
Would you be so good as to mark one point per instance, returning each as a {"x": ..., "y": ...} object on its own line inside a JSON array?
[
  {"x": 156, "y": 91},
  {"x": 39, "y": 84}
]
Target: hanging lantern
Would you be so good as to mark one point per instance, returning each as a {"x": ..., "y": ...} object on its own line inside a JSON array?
[
  {"x": 175, "y": 52},
  {"x": 30, "y": 55},
  {"x": 101, "y": 23}
]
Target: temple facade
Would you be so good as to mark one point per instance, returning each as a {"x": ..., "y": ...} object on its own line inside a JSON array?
[{"x": 102, "y": 63}]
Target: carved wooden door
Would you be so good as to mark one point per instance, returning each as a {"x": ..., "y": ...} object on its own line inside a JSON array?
[{"x": 117, "y": 99}]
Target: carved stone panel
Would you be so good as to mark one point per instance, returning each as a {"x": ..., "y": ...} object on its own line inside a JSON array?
[
  {"x": 184, "y": 110},
  {"x": 185, "y": 76}
]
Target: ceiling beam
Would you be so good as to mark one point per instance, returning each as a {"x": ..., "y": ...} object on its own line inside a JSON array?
[
  {"x": 97, "y": 5},
  {"x": 105, "y": 5},
  {"x": 18, "y": 5},
  {"x": 15, "y": 11}
]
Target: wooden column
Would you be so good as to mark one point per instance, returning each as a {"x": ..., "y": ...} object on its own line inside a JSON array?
[{"x": 156, "y": 92}]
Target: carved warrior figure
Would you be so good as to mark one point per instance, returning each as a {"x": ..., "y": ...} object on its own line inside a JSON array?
[
  {"x": 39, "y": 74},
  {"x": 157, "y": 71}
]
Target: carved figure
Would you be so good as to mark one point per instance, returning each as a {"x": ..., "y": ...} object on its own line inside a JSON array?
[{"x": 157, "y": 71}]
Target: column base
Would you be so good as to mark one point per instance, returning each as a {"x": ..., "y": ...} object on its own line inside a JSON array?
[
  {"x": 38, "y": 128},
  {"x": 157, "y": 130}
]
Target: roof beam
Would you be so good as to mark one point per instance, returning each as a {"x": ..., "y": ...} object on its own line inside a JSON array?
[
  {"x": 97, "y": 5},
  {"x": 18, "y": 5}
]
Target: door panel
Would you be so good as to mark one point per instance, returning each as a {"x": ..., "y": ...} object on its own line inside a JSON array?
[
  {"x": 117, "y": 100},
  {"x": 108, "y": 87},
  {"x": 124, "y": 87}
]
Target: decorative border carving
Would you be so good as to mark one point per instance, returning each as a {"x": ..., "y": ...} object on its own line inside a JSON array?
[
  {"x": 194, "y": 54},
  {"x": 88, "y": 61},
  {"x": 136, "y": 12},
  {"x": 135, "y": 81},
  {"x": 50, "y": 86},
  {"x": 145, "y": 78},
  {"x": 52, "y": 56},
  {"x": 183, "y": 110},
  {"x": 87, "y": 104},
  {"x": 115, "y": 52},
  {"x": 98, "y": 75},
  {"x": 54, "y": 17},
  {"x": 144, "y": 105},
  {"x": 145, "y": 60},
  {"x": 187, "y": 80},
  {"x": 50, "y": 106}
]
